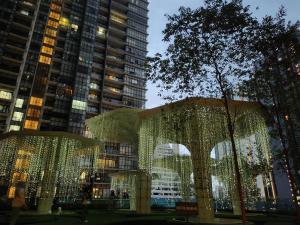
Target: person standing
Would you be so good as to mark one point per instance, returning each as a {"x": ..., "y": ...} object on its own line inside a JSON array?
[
  {"x": 18, "y": 203},
  {"x": 85, "y": 202},
  {"x": 3, "y": 193},
  {"x": 112, "y": 196}
]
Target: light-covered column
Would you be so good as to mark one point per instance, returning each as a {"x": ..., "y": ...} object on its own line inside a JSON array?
[
  {"x": 143, "y": 192},
  {"x": 202, "y": 178},
  {"x": 132, "y": 195},
  {"x": 49, "y": 181},
  {"x": 235, "y": 198}
]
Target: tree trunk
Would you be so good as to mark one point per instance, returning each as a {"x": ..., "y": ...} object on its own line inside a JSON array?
[
  {"x": 235, "y": 158},
  {"x": 230, "y": 127}
]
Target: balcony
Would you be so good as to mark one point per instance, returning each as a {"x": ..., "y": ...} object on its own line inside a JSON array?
[
  {"x": 116, "y": 50},
  {"x": 112, "y": 90},
  {"x": 99, "y": 45},
  {"x": 104, "y": 9},
  {"x": 93, "y": 98},
  {"x": 113, "y": 78},
  {"x": 96, "y": 76},
  {"x": 18, "y": 37},
  {"x": 113, "y": 69},
  {"x": 19, "y": 25},
  {"x": 28, "y": 4},
  {"x": 113, "y": 102},
  {"x": 92, "y": 110},
  {"x": 115, "y": 60},
  {"x": 117, "y": 41},
  {"x": 10, "y": 60},
  {"x": 104, "y": 18},
  {"x": 118, "y": 32},
  {"x": 98, "y": 55},
  {"x": 97, "y": 65},
  {"x": 119, "y": 7}
]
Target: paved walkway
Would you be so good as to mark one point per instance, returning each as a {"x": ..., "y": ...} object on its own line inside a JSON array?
[{"x": 97, "y": 217}]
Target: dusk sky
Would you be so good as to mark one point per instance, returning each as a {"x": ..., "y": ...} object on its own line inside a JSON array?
[{"x": 157, "y": 21}]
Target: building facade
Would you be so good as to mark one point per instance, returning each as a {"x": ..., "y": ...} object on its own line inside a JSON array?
[{"x": 64, "y": 61}]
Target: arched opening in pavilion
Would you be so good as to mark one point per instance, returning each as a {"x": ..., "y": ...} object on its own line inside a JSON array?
[
  {"x": 257, "y": 179},
  {"x": 171, "y": 175}
]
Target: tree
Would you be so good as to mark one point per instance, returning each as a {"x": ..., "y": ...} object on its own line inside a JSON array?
[
  {"x": 207, "y": 55},
  {"x": 274, "y": 84}
]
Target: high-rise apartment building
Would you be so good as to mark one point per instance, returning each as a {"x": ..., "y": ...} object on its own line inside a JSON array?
[{"x": 63, "y": 61}]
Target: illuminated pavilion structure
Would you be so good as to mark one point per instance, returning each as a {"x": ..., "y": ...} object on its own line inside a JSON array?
[
  {"x": 49, "y": 164},
  {"x": 199, "y": 124},
  {"x": 55, "y": 164}
]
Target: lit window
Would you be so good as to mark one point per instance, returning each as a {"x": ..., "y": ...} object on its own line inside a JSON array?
[
  {"x": 82, "y": 175},
  {"x": 94, "y": 86},
  {"x": 31, "y": 124},
  {"x": 47, "y": 50},
  {"x": 54, "y": 15},
  {"x": 74, "y": 27},
  {"x": 23, "y": 177},
  {"x": 11, "y": 192},
  {"x": 64, "y": 21},
  {"x": 101, "y": 31},
  {"x": 45, "y": 59},
  {"x": 5, "y": 95},
  {"x": 51, "y": 32},
  {"x": 93, "y": 96},
  {"x": 55, "y": 7},
  {"x": 22, "y": 164},
  {"x": 36, "y": 101},
  {"x": 27, "y": 3},
  {"x": 14, "y": 128},
  {"x": 23, "y": 152},
  {"x": 19, "y": 103},
  {"x": 298, "y": 69},
  {"x": 17, "y": 116},
  {"x": 68, "y": 90},
  {"x": 34, "y": 112},
  {"x": 49, "y": 41},
  {"x": 117, "y": 17},
  {"x": 114, "y": 89},
  {"x": 78, "y": 105},
  {"x": 52, "y": 23},
  {"x": 104, "y": 163},
  {"x": 24, "y": 12}
]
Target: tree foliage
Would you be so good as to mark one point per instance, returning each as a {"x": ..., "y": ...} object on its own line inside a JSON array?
[
  {"x": 208, "y": 51},
  {"x": 275, "y": 85}
]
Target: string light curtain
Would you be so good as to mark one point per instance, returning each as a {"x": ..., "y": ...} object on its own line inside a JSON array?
[{"x": 48, "y": 163}]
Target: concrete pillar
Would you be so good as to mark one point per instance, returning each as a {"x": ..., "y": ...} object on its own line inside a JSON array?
[{"x": 143, "y": 193}]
